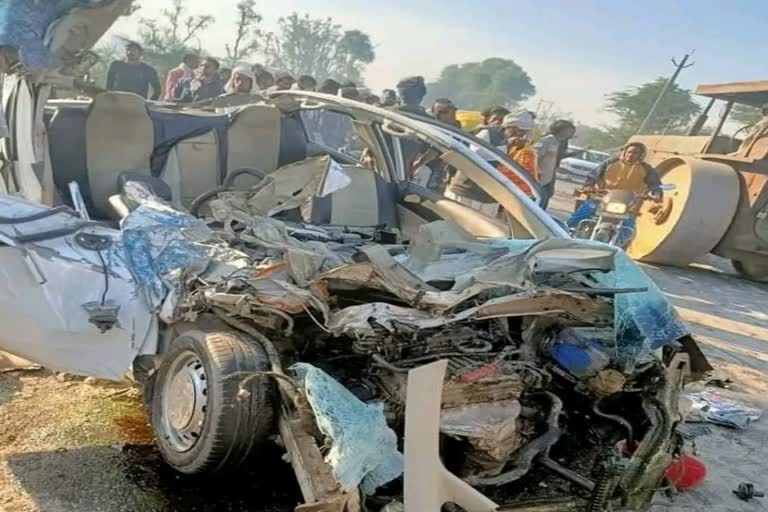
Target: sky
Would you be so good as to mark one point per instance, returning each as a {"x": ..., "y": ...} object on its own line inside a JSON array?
[{"x": 575, "y": 51}]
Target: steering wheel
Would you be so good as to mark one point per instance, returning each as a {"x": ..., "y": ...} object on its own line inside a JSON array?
[
  {"x": 732, "y": 142},
  {"x": 228, "y": 186}
]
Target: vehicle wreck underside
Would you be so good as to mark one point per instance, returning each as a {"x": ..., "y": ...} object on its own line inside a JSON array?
[{"x": 562, "y": 362}]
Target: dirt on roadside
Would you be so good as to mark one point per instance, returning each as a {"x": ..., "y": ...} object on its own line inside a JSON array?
[{"x": 69, "y": 445}]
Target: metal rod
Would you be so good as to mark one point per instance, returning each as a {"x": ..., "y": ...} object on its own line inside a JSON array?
[
  {"x": 720, "y": 124},
  {"x": 566, "y": 473},
  {"x": 701, "y": 119}
]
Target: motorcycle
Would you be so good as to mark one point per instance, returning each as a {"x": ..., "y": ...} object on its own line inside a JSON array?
[{"x": 608, "y": 216}]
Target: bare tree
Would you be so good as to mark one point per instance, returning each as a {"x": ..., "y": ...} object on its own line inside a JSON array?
[
  {"x": 318, "y": 47},
  {"x": 167, "y": 38},
  {"x": 247, "y": 34}
]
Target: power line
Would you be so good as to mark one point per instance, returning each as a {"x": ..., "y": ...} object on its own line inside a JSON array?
[{"x": 683, "y": 64}]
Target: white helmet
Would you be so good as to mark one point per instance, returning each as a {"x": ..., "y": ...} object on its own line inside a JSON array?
[{"x": 522, "y": 119}]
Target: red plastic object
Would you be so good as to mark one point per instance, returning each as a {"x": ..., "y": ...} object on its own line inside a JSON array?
[
  {"x": 686, "y": 472},
  {"x": 487, "y": 370}
]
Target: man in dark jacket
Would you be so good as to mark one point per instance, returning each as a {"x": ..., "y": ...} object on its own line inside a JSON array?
[
  {"x": 207, "y": 85},
  {"x": 133, "y": 75}
]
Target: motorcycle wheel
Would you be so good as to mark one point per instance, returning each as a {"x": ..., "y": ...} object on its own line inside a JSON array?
[{"x": 604, "y": 235}]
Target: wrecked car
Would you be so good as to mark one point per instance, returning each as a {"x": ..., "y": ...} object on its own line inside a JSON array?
[{"x": 272, "y": 271}]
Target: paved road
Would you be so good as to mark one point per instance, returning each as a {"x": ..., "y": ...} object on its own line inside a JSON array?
[{"x": 729, "y": 317}]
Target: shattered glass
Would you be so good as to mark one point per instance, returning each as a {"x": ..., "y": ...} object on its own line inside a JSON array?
[
  {"x": 364, "y": 449},
  {"x": 162, "y": 249}
]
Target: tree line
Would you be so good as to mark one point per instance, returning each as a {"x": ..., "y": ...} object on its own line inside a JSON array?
[{"x": 300, "y": 45}]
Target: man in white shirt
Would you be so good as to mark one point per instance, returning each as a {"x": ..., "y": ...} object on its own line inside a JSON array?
[{"x": 547, "y": 156}]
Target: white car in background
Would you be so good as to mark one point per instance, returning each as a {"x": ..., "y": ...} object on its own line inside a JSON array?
[{"x": 581, "y": 167}]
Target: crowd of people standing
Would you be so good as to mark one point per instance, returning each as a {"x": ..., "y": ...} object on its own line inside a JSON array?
[
  {"x": 510, "y": 131},
  {"x": 197, "y": 79}
]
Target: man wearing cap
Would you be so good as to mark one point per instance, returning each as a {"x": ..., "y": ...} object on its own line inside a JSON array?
[
  {"x": 517, "y": 128},
  {"x": 133, "y": 75},
  {"x": 411, "y": 92},
  {"x": 241, "y": 82}
]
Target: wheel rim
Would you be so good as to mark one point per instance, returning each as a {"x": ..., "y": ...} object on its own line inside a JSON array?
[{"x": 185, "y": 399}]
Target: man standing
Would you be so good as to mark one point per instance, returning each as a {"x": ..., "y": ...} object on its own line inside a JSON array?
[
  {"x": 412, "y": 91},
  {"x": 186, "y": 69},
  {"x": 517, "y": 128},
  {"x": 330, "y": 86},
  {"x": 444, "y": 111},
  {"x": 547, "y": 156},
  {"x": 265, "y": 81},
  {"x": 756, "y": 131},
  {"x": 133, "y": 75},
  {"x": 284, "y": 81},
  {"x": 225, "y": 74},
  {"x": 242, "y": 81},
  {"x": 388, "y": 98},
  {"x": 491, "y": 131},
  {"x": 307, "y": 83},
  {"x": 207, "y": 85}
]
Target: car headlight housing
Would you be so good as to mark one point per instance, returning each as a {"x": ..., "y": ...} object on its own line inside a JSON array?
[{"x": 617, "y": 208}]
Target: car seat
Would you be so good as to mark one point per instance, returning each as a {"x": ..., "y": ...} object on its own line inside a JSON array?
[
  {"x": 293, "y": 140},
  {"x": 193, "y": 167},
  {"x": 119, "y": 137},
  {"x": 253, "y": 141},
  {"x": 368, "y": 201}
]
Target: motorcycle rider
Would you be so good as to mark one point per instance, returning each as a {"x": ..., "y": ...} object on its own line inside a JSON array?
[{"x": 629, "y": 172}]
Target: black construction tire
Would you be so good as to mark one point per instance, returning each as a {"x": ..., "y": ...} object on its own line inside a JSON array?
[
  {"x": 752, "y": 270},
  {"x": 234, "y": 426}
]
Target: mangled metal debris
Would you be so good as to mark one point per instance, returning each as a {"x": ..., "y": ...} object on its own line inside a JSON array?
[
  {"x": 539, "y": 370},
  {"x": 496, "y": 364}
]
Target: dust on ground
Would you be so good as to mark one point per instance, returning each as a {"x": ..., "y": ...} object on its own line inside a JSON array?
[
  {"x": 74, "y": 446},
  {"x": 69, "y": 445}
]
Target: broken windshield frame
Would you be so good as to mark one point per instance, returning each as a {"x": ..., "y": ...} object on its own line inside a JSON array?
[
  {"x": 485, "y": 149},
  {"x": 536, "y": 221}
]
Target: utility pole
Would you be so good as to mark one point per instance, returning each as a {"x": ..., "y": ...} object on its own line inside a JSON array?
[{"x": 678, "y": 68}]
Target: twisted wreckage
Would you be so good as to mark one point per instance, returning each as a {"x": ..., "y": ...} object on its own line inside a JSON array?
[
  {"x": 556, "y": 359},
  {"x": 279, "y": 274}
]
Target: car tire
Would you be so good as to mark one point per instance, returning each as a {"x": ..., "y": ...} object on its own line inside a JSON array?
[{"x": 202, "y": 421}]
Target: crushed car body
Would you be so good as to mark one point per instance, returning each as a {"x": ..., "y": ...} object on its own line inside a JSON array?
[
  {"x": 536, "y": 382},
  {"x": 269, "y": 270}
]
